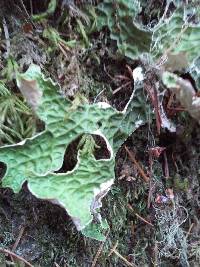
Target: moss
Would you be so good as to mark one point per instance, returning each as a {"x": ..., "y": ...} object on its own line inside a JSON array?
[{"x": 180, "y": 184}]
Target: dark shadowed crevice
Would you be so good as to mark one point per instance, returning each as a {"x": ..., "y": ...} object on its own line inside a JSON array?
[
  {"x": 101, "y": 151},
  {"x": 187, "y": 76},
  {"x": 3, "y": 169},
  {"x": 70, "y": 159}
]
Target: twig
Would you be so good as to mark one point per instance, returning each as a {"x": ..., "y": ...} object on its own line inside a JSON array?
[
  {"x": 124, "y": 259},
  {"x": 157, "y": 110},
  {"x": 150, "y": 87},
  {"x": 27, "y": 14},
  {"x": 132, "y": 157},
  {"x": 166, "y": 165},
  {"x": 18, "y": 238},
  {"x": 104, "y": 68},
  {"x": 119, "y": 88},
  {"x": 165, "y": 11},
  {"x": 122, "y": 77},
  {"x": 62, "y": 50},
  {"x": 141, "y": 218},
  {"x": 175, "y": 164},
  {"x": 22, "y": 3},
  {"x": 151, "y": 188},
  {"x": 12, "y": 254},
  {"x": 99, "y": 252},
  {"x": 62, "y": 43},
  {"x": 113, "y": 250},
  {"x": 98, "y": 95},
  {"x": 191, "y": 226},
  {"x": 129, "y": 71},
  {"x": 5, "y": 28},
  {"x": 150, "y": 180},
  {"x": 155, "y": 263}
]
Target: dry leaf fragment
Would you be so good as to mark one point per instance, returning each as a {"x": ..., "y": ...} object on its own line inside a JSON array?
[{"x": 30, "y": 91}]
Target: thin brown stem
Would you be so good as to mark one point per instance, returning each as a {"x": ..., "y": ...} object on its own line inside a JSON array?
[
  {"x": 139, "y": 217},
  {"x": 189, "y": 231},
  {"x": 99, "y": 252},
  {"x": 12, "y": 254},
  {"x": 121, "y": 87},
  {"x": 18, "y": 238},
  {"x": 140, "y": 170},
  {"x": 113, "y": 250}
]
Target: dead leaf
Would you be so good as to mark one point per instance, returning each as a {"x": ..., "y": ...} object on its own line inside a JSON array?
[{"x": 31, "y": 92}]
